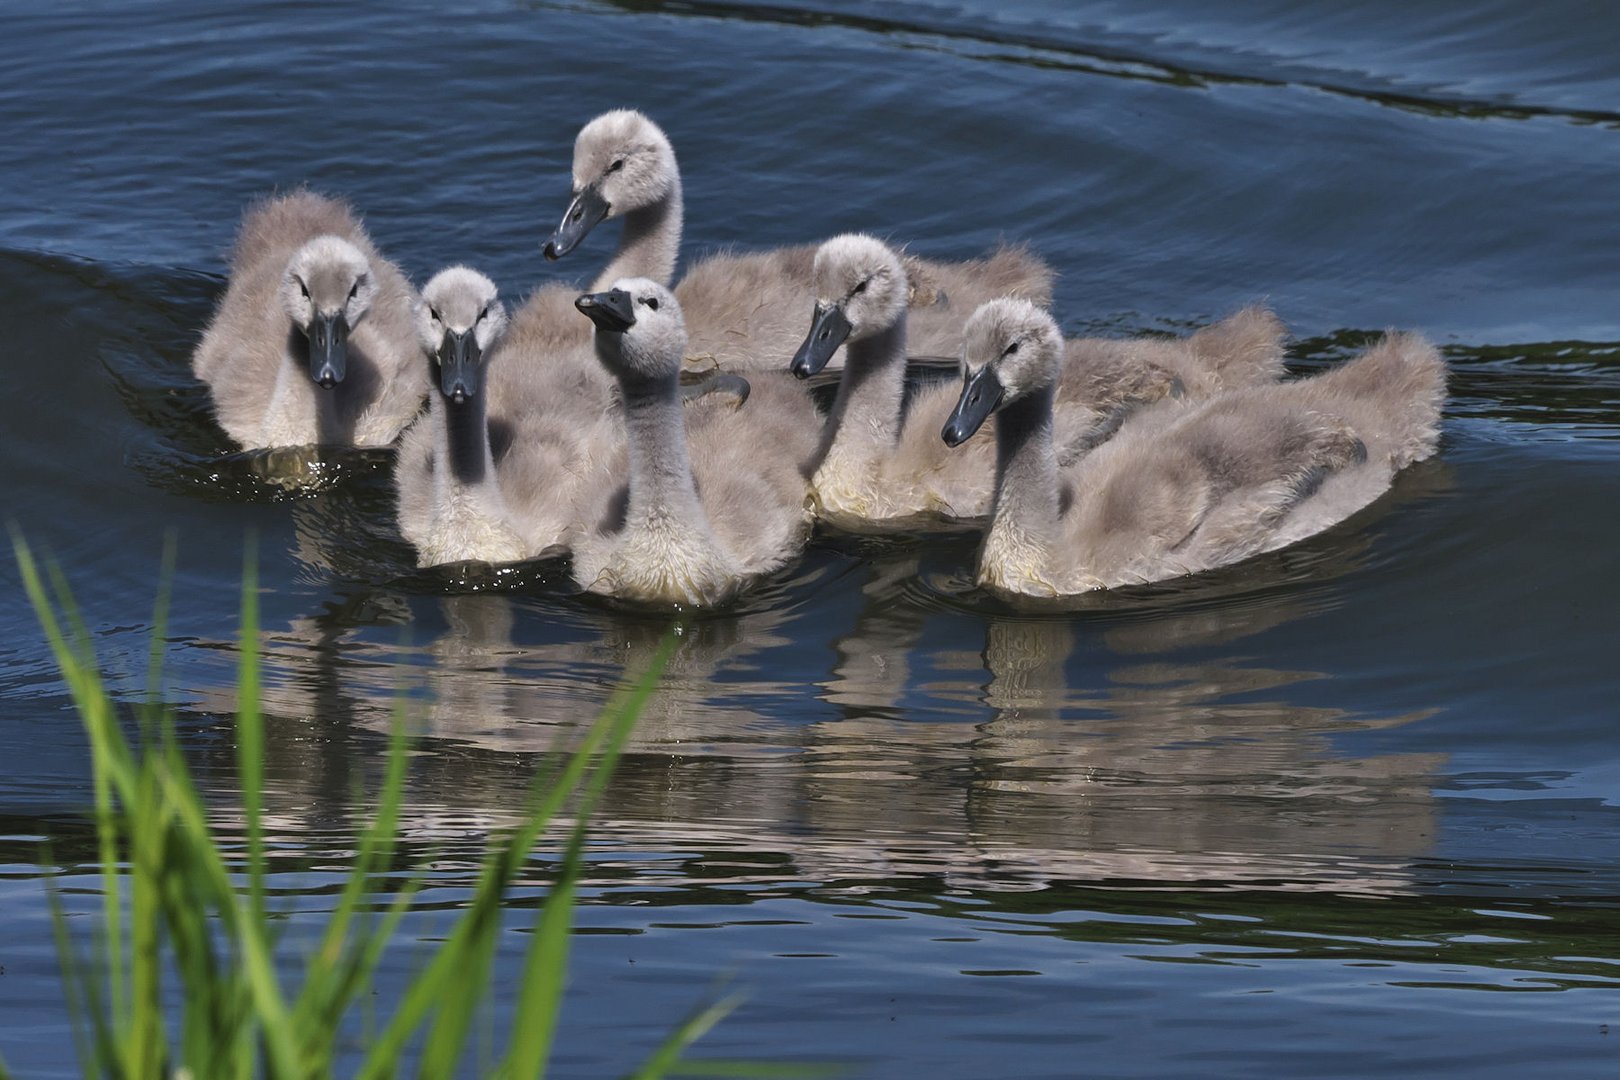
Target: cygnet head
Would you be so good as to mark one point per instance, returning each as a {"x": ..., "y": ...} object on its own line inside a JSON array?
[
  {"x": 458, "y": 321},
  {"x": 622, "y": 162},
  {"x": 326, "y": 290},
  {"x": 1010, "y": 349},
  {"x": 860, "y": 291},
  {"x": 640, "y": 334}
]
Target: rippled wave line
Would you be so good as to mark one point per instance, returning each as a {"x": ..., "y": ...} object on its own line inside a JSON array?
[{"x": 1152, "y": 68}]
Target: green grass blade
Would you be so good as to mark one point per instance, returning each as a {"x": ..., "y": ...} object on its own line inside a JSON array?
[
  {"x": 250, "y": 731},
  {"x": 45, "y": 610},
  {"x": 376, "y": 847},
  {"x": 339, "y": 968},
  {"x": 424, "y": 993},
  {"x": 466, "y": 982},
  {"x": 545, "y": 966},
  {"x": 605, "y": 737},
  {"x": 93, "y": 1046},
  {"x": 146, "y": 1037},
  {"x": 689, "y": 1031},
  {"x": 198, "y": 969},
  {"x": 430, "y": 987},
  {"x": 153, "y": 709},
  {"x": 144, "y": 1015},
  {"x": 200, "y": 852},
  {"x": 111, "y": 767},
  {"x": 250, "y": 936},
  {"x": 182, "y": 897},
  {"x": 545, "y": 969},
  {"x": 358, "y": 968}
]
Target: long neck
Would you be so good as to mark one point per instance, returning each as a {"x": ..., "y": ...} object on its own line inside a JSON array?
[
  {"x": 461, "y": 438},
  {"x": 662, "y": 492},
  {"x": 464, "y": 430},
  {"x": 1026, "y": 507},
  {"x": 298, "y": 410},
  {"x": 651, "y": 241},
  {"x": 865, "y": 420}
]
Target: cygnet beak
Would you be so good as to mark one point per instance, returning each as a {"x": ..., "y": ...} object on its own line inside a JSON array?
[
  {"x": 981, "y": 393},
  {"x": 328, "y": 348},
  {"x": 460, "y": 374},
  {"x": 587, "y": 209},
  {"x": 828, "y": 329},
  {"x": 612, "y": 311}
]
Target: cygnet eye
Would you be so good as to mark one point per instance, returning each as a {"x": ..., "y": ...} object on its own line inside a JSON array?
[
  {"x": 434, "y": 312},
  {"x": 1011, "y": 349},
  {"x": 617, "y": 165},
  {"x": 861, "y": 287},
  {"x": 650, "y": 301},
  {"x": 302, "y": 287},
  {"x": 484, "y": 314},
  {"x": 354, "y": 290}
]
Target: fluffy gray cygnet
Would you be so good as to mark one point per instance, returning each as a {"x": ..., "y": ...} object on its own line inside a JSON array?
[
  {"x": 1188, "y": 487},
  {"x": 883, "y": 465},
  {"x": 716, "y": 492},
  {"x": 312, "y": 343},
  {"x": 553, "y": 477},
  {"x": 744, "y": 310}
]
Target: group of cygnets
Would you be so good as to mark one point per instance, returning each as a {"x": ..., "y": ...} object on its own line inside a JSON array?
[{"x": 576, "y": 424}]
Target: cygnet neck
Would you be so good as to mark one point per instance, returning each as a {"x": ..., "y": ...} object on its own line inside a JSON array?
[
  {"x": 298, "y": 409},
  {"x": 1026, "y": 500},
  {"x": 464, "y": 438},
  {"x": 650, "y": 242},
  {"x": 865, "y": 420},
  {"x": 663, "y": 493}
]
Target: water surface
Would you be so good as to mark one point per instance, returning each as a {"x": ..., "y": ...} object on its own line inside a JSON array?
[{"x": 1352, "y": 808}]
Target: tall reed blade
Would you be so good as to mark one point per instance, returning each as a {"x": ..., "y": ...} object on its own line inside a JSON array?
[
  {"x": 250, "y": 729},
  {"x": 171, "y": 904}
]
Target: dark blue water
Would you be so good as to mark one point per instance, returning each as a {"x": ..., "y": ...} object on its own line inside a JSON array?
[{"x": 1349, "y": 809}]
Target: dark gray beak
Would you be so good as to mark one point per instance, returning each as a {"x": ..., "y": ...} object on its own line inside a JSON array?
[
  {"x": 328, "y": 348},
  {"x": 981, "y": 394},
  {"x": 584, "y": 213},
  {"x": 828, "y": 329},
  {"x": 612, "y": 311},
  {"x": 460, "y": 374}
]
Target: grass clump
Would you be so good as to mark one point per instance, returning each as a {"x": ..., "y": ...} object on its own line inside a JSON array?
[{"x": 175, "y": 908}]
